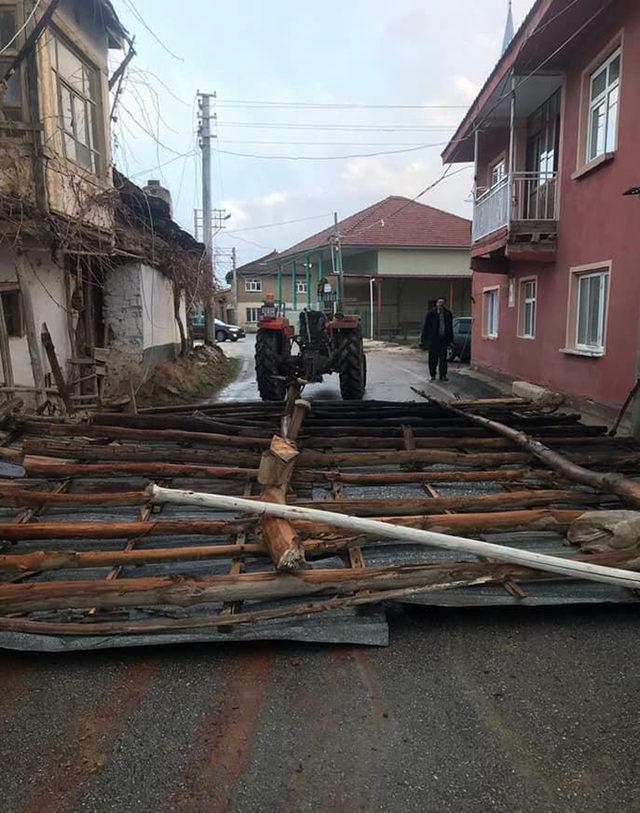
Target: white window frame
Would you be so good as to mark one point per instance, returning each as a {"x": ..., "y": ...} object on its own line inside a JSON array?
[
  {"x": 500, "y": 164},
  {"x": 301, "y": 286},
  {"x": 525, "y": 300},
  {"x": 603, "y": 306},
  {"x": 84, "y": 93},
  {"x": 605, "y": 97},
  {"x": 253, "y": 286},
  {"x": 491, "y": 305},
  {"x": 252, "y": 312}
]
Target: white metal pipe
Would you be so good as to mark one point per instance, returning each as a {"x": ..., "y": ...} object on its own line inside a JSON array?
[
  {"x": 416, "y": 536},
  {"x": 371, "y": 284}
]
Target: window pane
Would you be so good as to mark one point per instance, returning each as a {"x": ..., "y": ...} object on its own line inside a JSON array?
[
  {"x": 13, "y": 94},
  {"x": 614, "y": 70},
  {"x": 612, "y": 120},
  {"x": 7, "y": 28},
  {"x": 598, "y": 127},
  {"x": 593, "y": 328},
  {"x": 598, "y": 84},
  {"x": 67, "y": 110},
  {"x": 70, "y": 68}
]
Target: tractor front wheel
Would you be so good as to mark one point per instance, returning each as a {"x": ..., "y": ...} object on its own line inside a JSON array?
[
  {"x": 270, "y": 345},
  {"x": 352, "y": 365}
]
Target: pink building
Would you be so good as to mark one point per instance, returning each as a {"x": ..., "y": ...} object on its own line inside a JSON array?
[{"x": 555, "y": 136}]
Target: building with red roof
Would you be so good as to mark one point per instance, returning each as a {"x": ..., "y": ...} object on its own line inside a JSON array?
[{"x": 398, "y": 256}]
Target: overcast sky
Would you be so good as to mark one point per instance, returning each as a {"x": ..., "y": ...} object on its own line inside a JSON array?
[{"x": 354, "y": 52}]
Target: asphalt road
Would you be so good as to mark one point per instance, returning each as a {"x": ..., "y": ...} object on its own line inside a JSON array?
[{"x": 466, "y": 711}]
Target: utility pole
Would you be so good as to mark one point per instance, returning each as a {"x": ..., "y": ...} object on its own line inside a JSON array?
[
  {"x": 337, "y": 263},
  {"x": 234, "y": 267},
  {"x": 204, "y": 131}
]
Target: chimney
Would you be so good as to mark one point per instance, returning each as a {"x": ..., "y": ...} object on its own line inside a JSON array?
[{"x": 155, "y": 190}]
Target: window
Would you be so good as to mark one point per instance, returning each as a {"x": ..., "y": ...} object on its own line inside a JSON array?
[
  {"x": 301, "y": 287},
  {"x": 604, "y": 89},
  {"x": 490, "y": 301},
  {"x": 77, "y": 86},
  {"x": 12, "y": 309},
  {"x": 591, "y": 309},
  {"x": 528, "y": 291},
  {"x": 9, "y": 44},
  {"x": 253, "y": 285},
  {"x": 252, "y": 314},
  {"x": 497, "y": 173}
]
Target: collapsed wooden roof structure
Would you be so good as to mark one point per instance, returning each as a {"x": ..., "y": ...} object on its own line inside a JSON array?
[{"x": 90, "y": 558}]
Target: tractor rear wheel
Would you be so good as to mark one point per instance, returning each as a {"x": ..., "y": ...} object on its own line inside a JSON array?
[
  {"x": 352, "y": 365},
  {"x": 270, "y": 351}
]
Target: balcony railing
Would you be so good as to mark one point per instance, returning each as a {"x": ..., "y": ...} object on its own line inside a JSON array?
[{"x": 521, "y": 196}]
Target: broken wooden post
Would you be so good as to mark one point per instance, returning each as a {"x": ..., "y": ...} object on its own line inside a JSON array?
[
  {"x": 50, "y": 350},
  {"x": 5, "y": 355},
  {"x": 32, "y": 336},
  {"x": 300, "y": 409},
  {"x": 276, "y": 467}
]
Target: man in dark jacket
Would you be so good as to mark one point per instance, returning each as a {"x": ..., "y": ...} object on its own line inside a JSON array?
[{"x": 437, "y": 335}]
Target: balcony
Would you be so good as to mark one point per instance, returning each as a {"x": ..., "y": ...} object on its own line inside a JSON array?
[{"x": 523, "y": 204}]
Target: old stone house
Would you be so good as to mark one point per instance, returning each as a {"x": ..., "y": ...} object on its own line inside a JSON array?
[{"x": 66, "y": 247}]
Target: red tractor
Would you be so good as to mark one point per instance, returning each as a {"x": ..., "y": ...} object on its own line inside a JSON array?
[{"x": 328, "y": 341}]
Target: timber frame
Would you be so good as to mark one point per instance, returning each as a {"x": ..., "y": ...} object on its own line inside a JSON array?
[{"x": 86, "y": 552}]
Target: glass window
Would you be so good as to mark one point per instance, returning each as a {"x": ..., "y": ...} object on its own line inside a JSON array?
[
  {"x": 301, "y": 287},
  {"x": 603, "y": 108},
  {"x": 253, "y": 285},
  {"x": 252, "y": 314},
  {"x": 12, "y": 308},
  {"x": 528, "y": 292},
  {"x": 77, "y": 87},
  {"x": 9, "y": 43},
  {"x": 498, "y": 174},
  {"x": 491, "y": 311},
  {"x": 591, "y": 305}
]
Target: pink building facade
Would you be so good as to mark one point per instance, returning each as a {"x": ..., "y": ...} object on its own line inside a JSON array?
[{"x": 555, "y": 136}]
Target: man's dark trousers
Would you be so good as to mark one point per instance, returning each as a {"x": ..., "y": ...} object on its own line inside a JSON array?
[{"x": 438, "y": 357}]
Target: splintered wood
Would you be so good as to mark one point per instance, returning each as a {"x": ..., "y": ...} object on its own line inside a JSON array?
[{"x": 393, "y": 501}]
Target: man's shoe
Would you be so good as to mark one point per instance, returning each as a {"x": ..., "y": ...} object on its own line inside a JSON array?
[
  {"x": 433, "y": 378},
  {"x": 443, "y": 378}
]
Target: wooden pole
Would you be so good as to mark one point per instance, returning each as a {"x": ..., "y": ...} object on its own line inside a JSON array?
[
  {"x": 58, "y": 377},
  {"x": 611, "y": 482},
  {"x": 537, "y": 561},
  {"x": 5, "y": 354},
  {"x": 32, "y": 335}
]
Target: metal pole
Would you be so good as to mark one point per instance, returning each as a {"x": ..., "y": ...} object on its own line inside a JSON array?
[
  {"x": 339, "y": 271},
  {"x": 308, "y": 278},
  {"x": 234, "y": 267},
  {"x": 294, "y": 291},
  {"x": 207, "y": 232},
  {"x": 320, "y": 274},
  {"x": 279, "y": 283},
  {"x": 512, "y": 146},
  {"x": 371, "y": 306}
]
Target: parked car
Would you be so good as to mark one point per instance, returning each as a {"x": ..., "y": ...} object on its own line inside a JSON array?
[
  {"x": 223, "y": 331},
  {"x": 461, "y": 347}
]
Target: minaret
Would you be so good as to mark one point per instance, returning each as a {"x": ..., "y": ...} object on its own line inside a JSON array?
[{"x": 508, "y": 31}]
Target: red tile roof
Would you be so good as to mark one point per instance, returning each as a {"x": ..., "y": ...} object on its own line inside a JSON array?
[{"x": 394, "y": 222}]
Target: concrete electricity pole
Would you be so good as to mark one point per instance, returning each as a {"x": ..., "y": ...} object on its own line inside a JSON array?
[
  {"x": 234, "y": 266},
  {"x": 204, "y": 104}
]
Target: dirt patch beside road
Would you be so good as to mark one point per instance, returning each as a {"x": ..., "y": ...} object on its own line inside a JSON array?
[{"x": 193, "y": 377}]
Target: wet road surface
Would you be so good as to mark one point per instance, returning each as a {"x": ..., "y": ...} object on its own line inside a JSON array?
[{"x": 465, "y": 712}]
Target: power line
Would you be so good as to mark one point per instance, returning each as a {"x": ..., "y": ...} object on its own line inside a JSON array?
[
  {"x": 129, "y": 4},
  {"x": 388, "y": 128},
  {"x": 282, "y": 223},
  {"x": 333, "y": 157},
  {"x": 337, "y": 105},
  {"x": 21, "y": 29}
]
